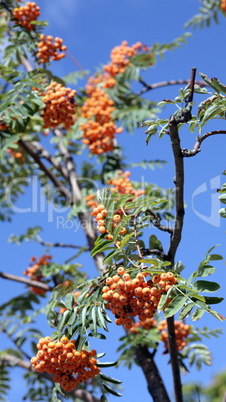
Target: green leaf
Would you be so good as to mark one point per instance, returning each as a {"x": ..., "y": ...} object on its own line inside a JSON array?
[
  {"x": 222, "y": 198},
  {"x": 111, "y": 390},
  {"x": 212, "y": 111},
  {"x": 154, "y": 243},
  {"x": 162, "y": 302},
  {"x": 198, "y": 314},
  {"x": 186, "y": 311},
  {"x": 213, "y": 300},
  {"x": 125, "y": 240},
  {"x": 178, "y": 267},
  {"x": 110, "y": 255},
  {"x": 217, "y": 315},
  {"x": 204, "y": 270},
  {"x": 110, "y": 379},
  {"x": 64, "y": 319},
  {"x": 106, "y": 364},
  {"x": 83, "y": 317},
  {"x": 98, "y": 335},
  {"x": 205, "y": 286},
  {"x": 103, "y": 398},
  {"x": 215, "y": 257},
  {"x": 175, "y": 305},
  {"x": 101, "y": 318},
  {"x": 222, "y": 212},
  {"x": 69, "y": 301},
  {"x": 101, "y": 247},
  {"x": 94, "y": 318},
  {"x": 73, "y": 316}
]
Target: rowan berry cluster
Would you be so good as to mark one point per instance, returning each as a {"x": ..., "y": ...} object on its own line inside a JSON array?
[
  {"x": 123, "y": 185},
  {"x": 181, "y": 331},
  {"x": 147, "y": 324},
  {"x": 68, "y": 366},
  {"x": 128, "y": 298},
  {"x": 120, "y": 184},
  {"x": 26, "y": 14},
  {"x": 120, "y": 57},
  {"x": 50, "y": 48},
  {"x": 34, "y": 272},
  {"x": 59, "y": 106},
  {"x": 91, "y": 201},
  {"x": 223, "y": 5},
  {"x": 99, "y": 213},
  {"x": 99, "y": 131}
]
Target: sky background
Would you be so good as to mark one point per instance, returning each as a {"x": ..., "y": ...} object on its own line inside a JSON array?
[{"x": 91, "y": 29}]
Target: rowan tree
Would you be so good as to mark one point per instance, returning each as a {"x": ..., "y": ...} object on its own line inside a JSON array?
[{"x": 129, "y": 230}]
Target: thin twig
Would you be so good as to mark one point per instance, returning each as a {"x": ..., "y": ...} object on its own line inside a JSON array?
[
  {"x": 27, "y": 281},
  {"x": 135, "y": 236},
  {"x": 43, "y": 153},
  {"x": 154, "y": 251},
  {"x": 149, "y": 87},
  {"x": 15, "y": 343},
  {"x": 156, "y": 222},
  {"x": 196, "y": 149},
  {"x": 57, "y": 244},
  {"x": 28, "y": 148}
]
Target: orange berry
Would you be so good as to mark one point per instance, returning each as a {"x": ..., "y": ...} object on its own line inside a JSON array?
[
  {"x": 120, "y": 270},
  {"x": 116, "y": 218}
]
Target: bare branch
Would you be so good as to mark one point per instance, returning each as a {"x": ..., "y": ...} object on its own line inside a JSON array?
[
  {"x": 63, "y": 245},
  {"x": 155, "y": 383},
  {"x": 11, "y": 360},
  {"x": 196, "y": 149},
  {"x": 27, "y": 281},
  {"x": 28, "y": 148},
  {"x": 135, "y": 235},
  {"x": 84, "y": 216},
  {"x": 149, "y": 87},
  {"x": 149, "y": 251},
  {"x": 157, "y": 223},
  {"x": 179, "y": 190},
  {"x": 174, "y": 359},
  {"x": 70, "y": 167},
  {"x": 191, "y": 85},
  {"x": 184, "y": 116},
  {"x": 43, "y": 153}
]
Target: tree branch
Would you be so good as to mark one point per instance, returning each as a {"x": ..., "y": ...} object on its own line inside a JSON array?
[
  {"x": 135, "y": 235},
  {"x": 157, "y": 223},
  {"x": 184, "y": 116},
  {"x": 70, "y": 167},
  {"x": 84, "y": 216},
  {"x": 196, "y": 149},
  {"x": 27, "y": 281},
  {"x": 51, "y": 176},
  {"x": 11, "y": 360},
  {"x": 179, "y": 191},
  {"x": 148, "y": 251},
  {"x": 149, "y": 87},
  {"x": 43, "y": 153},
  {"x": 63, "y": 245},
  {"x": 155, "y": 383}
]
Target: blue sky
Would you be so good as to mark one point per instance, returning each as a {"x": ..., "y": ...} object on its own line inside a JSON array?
[{"x": 90, "y": 29}]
